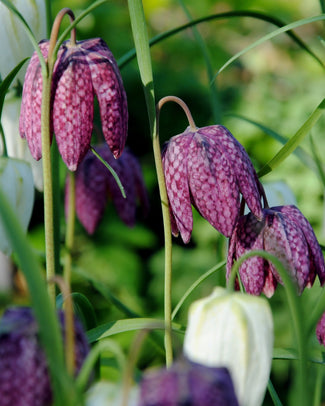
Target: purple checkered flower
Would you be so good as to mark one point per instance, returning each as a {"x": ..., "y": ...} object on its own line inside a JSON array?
[
  {"x": 285, "y": 233},
  {"x": 208, "y": 168},
  {"x": 24, "y": 377},
  {"x": 81, "y": 71},
  {"x": 95, "y": 185},
  {"x": 187, "y": 383}
]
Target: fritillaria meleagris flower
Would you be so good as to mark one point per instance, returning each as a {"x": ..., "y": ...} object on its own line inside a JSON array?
[
  {"x": 81, "y": 71},
  {"x": 187, "y": 383},
  {"x": 95, "y": 185},
  {"x": 208, "y": 168},
  {"x": 285, "y": 233},
  {"x": 24, "y": 377},
  {"x": 233, "y": 330}
]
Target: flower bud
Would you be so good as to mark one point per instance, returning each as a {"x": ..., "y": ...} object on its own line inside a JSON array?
[{"x": 233, "y": 330}]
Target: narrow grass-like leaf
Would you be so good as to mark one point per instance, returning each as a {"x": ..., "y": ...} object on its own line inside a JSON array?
[
  {"x": 195, "y": 285},
  {"x": 274, "y": 396},
  {"x": 44, "y": 312},
  {"x": 29, "y": 32},
  {"x": 273, "y": 34},
  {"x": 294, "y": 141},
  {"x": 125, "y": 59},
  {"x": 113, "y": 173},
  {"x": 125, "y": 325},
  {"x": 5, "y": 84},
  {"x": 304, "y": 157}
]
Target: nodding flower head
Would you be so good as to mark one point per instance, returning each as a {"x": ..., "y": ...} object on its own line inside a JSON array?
[
  {"x": 187, "y": 383},
  {"x": 285, "y": 233},
  {"x": 209, "y": 168},
  {"x": 24, "y": 376},
  {"x": 95, "y": 185},
  {"x": 81, "y": 71}
]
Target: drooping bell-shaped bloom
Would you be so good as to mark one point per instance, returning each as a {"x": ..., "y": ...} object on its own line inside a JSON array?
[
  {"x": 187, "y": 383},
  {"x": 233, "y": 330},
  {"x": 208, "y": 168},
  {"x": 81, "y": 71},
  {"x": 285, "y": 233},
  {"x": 15, "y": 44},
  {"x": 24, "y": 377},
  {"x": 95, "y": 185}
]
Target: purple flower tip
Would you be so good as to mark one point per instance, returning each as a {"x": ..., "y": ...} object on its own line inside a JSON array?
[
  {"x": 208, "y": 168},
  {"x": 285, "y": 233},
  {"x": 95, "y": 184},
  {"x": 187, "y": 383},
  {"x": 80, "y": 72},
  {"x": 320, "y": 330},
  {"x": 24, "y": 377}
]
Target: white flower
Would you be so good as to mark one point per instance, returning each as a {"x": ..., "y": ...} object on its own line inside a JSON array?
[
  {"x": 16, "y": 182},
  {"x": 15, "y": 44},
  {"x": 233, "y": 330},
  {"x": 106, "y": 393},
  {"x": 16, "y": 146}
]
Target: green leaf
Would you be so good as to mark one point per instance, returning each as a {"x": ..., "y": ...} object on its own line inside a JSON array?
[
  {"x": 125, "y": 59},
  {"x": 196, "y": 284},
  {"x": 270, "y": 36},
  {"x": 125, "y": 325},
  {"x": 50, "y": 333},
  {"x": 5, "y": 84},
  {"x": 294, "y": 141}
]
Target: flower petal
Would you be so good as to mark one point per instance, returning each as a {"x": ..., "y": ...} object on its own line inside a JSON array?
[
  {"x": 73, "y": 106},
  {"x": 174, "y": 158},
  {"x": 108, "y": 86},
  {"x": 212, "y": 184}
]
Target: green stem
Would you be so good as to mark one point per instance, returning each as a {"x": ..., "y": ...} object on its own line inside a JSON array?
[
  {"x": 69, "y": 237},
  {"x": 167, "y": 224},
  {"x": 296, "y": 316},
  {"x": 168, "y": 249},
  {"x": 47, "y": 176}
]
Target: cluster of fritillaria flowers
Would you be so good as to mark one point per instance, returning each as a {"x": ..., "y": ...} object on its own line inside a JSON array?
[{"x": 209, "y": 169}]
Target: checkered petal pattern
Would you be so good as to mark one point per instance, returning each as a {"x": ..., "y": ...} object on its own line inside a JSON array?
[
  {"x": 209, "y": 169},
  {"x": 285, "y": 233},
  {"x": 80, "y": 72},
  {"x": 24, "y": 377}
]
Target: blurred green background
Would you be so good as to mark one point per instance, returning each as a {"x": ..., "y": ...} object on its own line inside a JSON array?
[{"x": 277, "y": 84}]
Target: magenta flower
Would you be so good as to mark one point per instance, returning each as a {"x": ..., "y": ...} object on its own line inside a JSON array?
[
  {"x": 285, "y": 233},
  {"x": 80, "y": 72},
  {"x": 208, "y": 168},
  {"x": 24, "y": 377},
  {"x": 95, "y": 184},
  {"x": 187, "y": 383}
]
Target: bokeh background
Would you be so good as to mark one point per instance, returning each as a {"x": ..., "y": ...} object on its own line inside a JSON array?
[{"x": 276, "y": 85}]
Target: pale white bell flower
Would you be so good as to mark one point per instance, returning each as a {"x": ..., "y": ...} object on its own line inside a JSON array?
[
  {"x": 16, "y": 146},
  {"x": 233, "y": 330},
  {"x": 15, "y": 44}
]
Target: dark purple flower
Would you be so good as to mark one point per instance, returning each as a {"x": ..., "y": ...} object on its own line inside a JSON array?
[
  {"x": 187, "y": 383},
  {"x": 80, "y": 72},
  {"x": 320, "y": 330},
  {"x": 208, "y": 168},
  {"x": 285, "y": 233},
  {"x": 95, "y": 185},
  {"x": 24, "y": 378}
]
